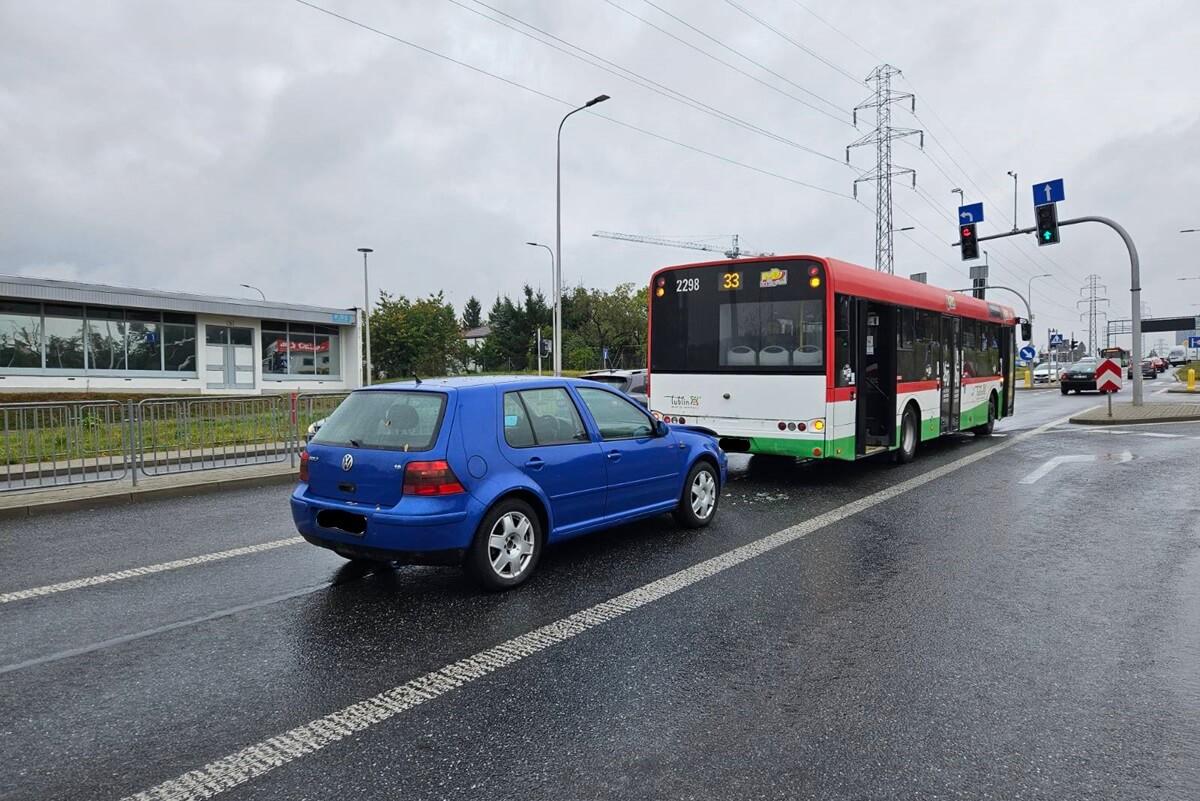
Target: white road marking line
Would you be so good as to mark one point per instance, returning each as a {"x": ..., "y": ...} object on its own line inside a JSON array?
[
  {"x": 1045, "y": 469},
  {"x": 257, "y": 760},
  {"x": 1156, "y": 434},
  {"x": 135, "y": 572},
  {"x": 138, "y": 635}
]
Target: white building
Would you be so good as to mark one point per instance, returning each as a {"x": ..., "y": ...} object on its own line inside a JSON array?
[{"x": 65, "y": 335}]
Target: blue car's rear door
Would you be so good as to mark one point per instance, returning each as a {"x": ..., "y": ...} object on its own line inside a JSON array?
[
  {"x": 643, "y": 468},
  {"x": 544, "y": 437}
]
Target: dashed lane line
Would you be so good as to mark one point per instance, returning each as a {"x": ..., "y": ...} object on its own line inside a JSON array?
[
  {"x": 136, "y": 572},
  {"x": 261, "y": 758}
]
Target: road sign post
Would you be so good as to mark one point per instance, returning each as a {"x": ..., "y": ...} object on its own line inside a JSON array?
[{"x": 1108, "y": 379}]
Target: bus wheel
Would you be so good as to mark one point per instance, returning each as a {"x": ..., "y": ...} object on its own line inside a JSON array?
[
  {"x": 985, "y": 430},
  {"x": 908, "y": 437}
]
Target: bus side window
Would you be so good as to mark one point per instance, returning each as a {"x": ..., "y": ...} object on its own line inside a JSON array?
[{"x": 843, "y": 369}]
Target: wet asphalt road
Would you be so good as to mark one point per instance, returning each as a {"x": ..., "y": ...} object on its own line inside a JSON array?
[{"x": 967, "y": 637}]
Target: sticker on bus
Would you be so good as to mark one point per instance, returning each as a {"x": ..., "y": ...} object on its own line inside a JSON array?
[{"x": 773, "y": 277}]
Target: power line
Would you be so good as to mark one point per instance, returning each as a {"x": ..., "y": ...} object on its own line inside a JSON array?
[
  {"x": 741, "y": 55},
  {"x": 738, "y": 70},
  {"x": 794, "y": 43},
  {"x": 637, "y": 79},
  {"x": 568, "y": 103},
  {"x": 847, "y": 37}
]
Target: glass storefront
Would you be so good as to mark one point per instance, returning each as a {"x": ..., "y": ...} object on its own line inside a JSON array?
[
  {"x": 299, "y": 349},
  {"x": 64, "y": 339}
]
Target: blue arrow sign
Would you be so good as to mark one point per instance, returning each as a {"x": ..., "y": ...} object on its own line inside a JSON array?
[
  {"x": 1056, "y": 339},
  {"x": 1049, "y": 192},
  {"x": 1028, "y": 353},
  {"x": 970, "y": 214}
]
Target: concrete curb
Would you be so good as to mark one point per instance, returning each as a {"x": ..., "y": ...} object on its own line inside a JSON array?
[
  {"x": 1118, "y": 421},
  {"x": 141, "y": 495}
]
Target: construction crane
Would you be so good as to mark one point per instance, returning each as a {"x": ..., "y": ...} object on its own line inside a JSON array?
[{"x": 732, "y": 253}]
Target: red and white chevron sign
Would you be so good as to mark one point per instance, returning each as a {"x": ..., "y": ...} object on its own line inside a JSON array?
[{"x": 1109, "y": 375}]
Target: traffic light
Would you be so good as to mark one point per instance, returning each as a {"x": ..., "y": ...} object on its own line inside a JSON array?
[
  {"x": 968, "y": 242},
  {"x": 1026, "y": 331},
  {"x": 547, "y": 347},
  {"x": 1047, "y": 224}
]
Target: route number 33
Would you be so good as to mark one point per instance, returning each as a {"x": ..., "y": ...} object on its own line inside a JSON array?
[{"x": 731, "y": 281}]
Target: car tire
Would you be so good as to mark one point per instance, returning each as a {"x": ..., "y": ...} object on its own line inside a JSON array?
[
  {"x": 700, "y": 497},
  {"x": 507, "y": 546},
  {"x": 1064, "y": 390},
  {"x": 986, "y": 429},
  {"x": 908, "y": 437}
]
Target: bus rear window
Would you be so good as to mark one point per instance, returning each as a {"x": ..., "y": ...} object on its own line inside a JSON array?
[{"x": 771, "y": 334}]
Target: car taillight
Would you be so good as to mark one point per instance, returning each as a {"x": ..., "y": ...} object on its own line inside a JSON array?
[
  {"x": 304, "y": 466},
  {"x": 430, "y": 478}
]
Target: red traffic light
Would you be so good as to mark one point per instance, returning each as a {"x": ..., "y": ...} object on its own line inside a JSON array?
[{"x": 967, "y": 232}]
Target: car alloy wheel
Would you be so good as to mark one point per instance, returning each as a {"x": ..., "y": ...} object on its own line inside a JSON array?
[
  {"x": 511, "y": 544},
  {"x": 703, "y": 494}
]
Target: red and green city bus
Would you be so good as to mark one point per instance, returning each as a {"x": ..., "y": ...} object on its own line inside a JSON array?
[{"x": 819, "y": 358}]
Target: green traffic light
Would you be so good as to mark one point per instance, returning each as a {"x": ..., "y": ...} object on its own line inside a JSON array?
[{"x": 1046, "y": 235}]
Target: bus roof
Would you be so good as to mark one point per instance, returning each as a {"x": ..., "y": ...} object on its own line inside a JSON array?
[{"x": 863, "y": 282}]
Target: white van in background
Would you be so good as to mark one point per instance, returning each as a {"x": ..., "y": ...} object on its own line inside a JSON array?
[{"x": 1177, "y": 356}]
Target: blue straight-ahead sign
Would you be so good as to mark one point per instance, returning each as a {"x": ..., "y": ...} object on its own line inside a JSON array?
[
  {"x": 970, "y": 214},
  {"x": 1049, "y": 192}
]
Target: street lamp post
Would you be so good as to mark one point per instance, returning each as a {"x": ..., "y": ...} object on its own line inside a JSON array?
[
  {"x": 961, "y": 201},
  {"x": 367, "y": 311},
  {"x": 256, "y": 289},
  {"x": 558, "y": 233},
  {"x": 1014, "y": 177},
  {"x": 554, "y": 300}
]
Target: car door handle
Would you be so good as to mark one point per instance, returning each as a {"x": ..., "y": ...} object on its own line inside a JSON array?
[
  {"x": 614, "y": 456},
  {"x": 535, "y": 463}
]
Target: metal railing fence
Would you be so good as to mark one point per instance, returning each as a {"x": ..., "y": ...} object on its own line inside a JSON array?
[
  {"x": 63, "y": 442},
  {"x": 78, "y": 442}
]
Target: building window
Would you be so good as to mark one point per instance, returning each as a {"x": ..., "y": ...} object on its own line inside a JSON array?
[
  {"x": 62, "y": 338},
  {"x": 20, "y": 335},
  {"x": 300, "y": 349}
]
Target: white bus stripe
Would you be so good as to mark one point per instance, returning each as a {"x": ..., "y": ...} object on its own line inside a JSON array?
[
  {"x": 136, "y": 572},
  {"x": 256, "y": 760}
]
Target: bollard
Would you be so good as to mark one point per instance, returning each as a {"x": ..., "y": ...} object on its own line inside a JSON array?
[
  {"x": 1028, "y": 379},
  {"x": 1192, "y": 379}
]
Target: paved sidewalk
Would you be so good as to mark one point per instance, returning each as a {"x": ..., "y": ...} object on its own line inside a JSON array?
[
  {"x": 1127, "y": 413},
  {"x": 17, "y": 504}
]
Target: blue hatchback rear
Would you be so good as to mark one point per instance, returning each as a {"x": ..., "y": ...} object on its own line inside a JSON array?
[{"x": 485, "y": 472}]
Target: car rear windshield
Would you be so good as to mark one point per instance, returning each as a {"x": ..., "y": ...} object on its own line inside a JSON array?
[
  {"x": 616, "y": 381},
  {"x": 383, "y": 420}
]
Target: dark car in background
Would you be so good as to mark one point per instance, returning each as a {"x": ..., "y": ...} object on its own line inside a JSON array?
[
  {"x": 1080, "y": 376},
  {"x": 1149, "y": 368},
  {"x": 485, "y": 472},
  {"x": 631, "y": 382}
]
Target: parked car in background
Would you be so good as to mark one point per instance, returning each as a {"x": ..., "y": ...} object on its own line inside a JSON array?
[
  {"x": 1046, "y": 372},
  {"x": 483, "y": 472},
  {"x": 631, "y": 382},
  {"x": 1080, "y": 376}
]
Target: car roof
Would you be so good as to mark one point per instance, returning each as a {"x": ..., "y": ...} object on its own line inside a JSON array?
[{"x": 461, "y": 383}]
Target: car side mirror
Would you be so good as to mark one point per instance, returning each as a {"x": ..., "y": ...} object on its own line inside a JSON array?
[{"x": 661, "y": 429}]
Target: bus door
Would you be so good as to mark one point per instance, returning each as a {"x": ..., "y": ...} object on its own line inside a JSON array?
[
  {"x": 1008, "y": 349},
  {"x": 877, "y": 383},
  {"x": 951, "y": 375}
]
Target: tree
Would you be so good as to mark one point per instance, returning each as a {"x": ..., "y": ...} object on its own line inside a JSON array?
[
  {"x": 598, "y": 320},
  {"x": 472, "y": 312},
  {"x": 421, "y": 337},
  {"x": 511, "y": 344}
]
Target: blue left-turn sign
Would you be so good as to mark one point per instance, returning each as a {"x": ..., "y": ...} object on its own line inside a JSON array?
[
  {"x": 970, "y": 214},
  {"x": 1028, "y": 353},
  {"x": 1049, "y": 192}
]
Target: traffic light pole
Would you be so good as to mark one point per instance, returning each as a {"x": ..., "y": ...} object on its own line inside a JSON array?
[{"x": 1135, "y": 287}]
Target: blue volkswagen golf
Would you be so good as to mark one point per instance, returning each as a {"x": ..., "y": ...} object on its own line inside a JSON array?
[{"x": 484, "y": 472}]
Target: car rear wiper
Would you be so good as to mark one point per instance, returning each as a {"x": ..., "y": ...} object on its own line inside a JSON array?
[{"x": 355, "y": 443}]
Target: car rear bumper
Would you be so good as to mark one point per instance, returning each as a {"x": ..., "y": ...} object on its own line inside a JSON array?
[
  {"x": 1074, "y": 383},
  {"x": 385, "y": 533}
]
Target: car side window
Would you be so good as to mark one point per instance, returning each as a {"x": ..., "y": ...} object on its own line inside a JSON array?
[
  {"x": 517, "y": 431},
  {"x": 542, "y": 417},
  {"x": 616, "y": 417}
]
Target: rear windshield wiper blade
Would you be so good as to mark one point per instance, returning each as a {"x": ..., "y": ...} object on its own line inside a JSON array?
[{"x": 355, "y": 443}]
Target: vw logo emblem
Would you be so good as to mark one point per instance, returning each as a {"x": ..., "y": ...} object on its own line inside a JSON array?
[{"x": 348, "y": 461}]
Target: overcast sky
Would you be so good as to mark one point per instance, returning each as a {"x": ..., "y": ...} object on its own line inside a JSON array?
[{"x": 200, "y": 145}]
